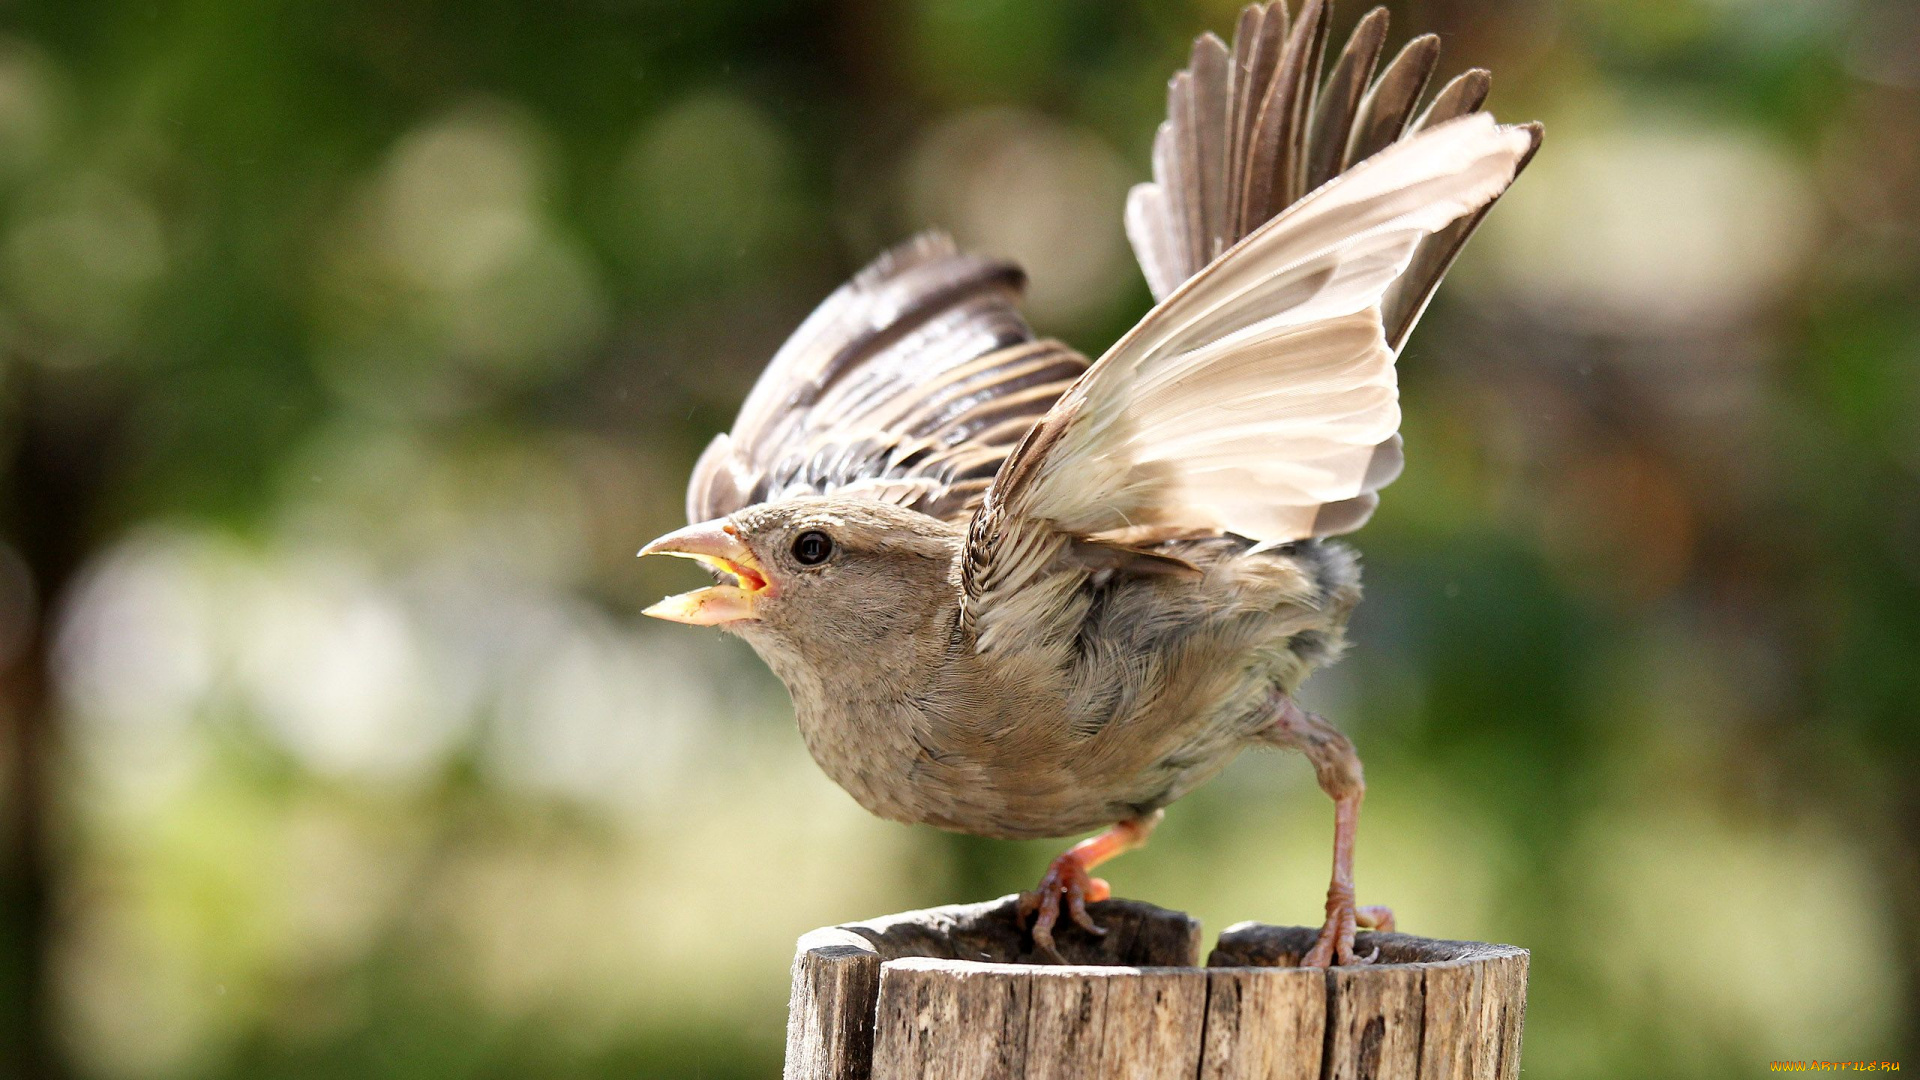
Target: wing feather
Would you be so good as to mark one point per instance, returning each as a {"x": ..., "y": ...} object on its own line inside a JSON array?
[
  {"x": 910, "y": 384},
  {"x": 1341, "y": 97},
  {"x": 1258, "y": 398},
  {"x": 1384, "y": 113},
  {"x": 1407, "y": 300},
  {"x": 1279, "y": 134}
]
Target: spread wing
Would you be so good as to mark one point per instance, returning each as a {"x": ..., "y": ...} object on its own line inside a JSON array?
[
  {"x": 1252, "y": 129},
  {"x": 1254, "y": 398},
  {"x": 910, "y": 384}
]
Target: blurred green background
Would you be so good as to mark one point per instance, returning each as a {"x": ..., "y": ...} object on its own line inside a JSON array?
[{"x": 349, "y": 350}]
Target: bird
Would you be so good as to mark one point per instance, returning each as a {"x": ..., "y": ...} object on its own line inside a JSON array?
[{"x": 1017, "y": 593}]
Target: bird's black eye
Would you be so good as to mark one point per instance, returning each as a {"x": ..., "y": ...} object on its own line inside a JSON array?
[{"x": 812, "y": 547}]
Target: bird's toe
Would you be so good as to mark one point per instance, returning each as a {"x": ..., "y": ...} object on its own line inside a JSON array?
[{"x": 1067, "y": 887}]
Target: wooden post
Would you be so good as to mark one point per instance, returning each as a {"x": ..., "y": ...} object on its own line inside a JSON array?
[{"x": 955, "y": 992}]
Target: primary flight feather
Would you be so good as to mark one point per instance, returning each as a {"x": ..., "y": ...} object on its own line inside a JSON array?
[{"x": 1018, "y": 594}]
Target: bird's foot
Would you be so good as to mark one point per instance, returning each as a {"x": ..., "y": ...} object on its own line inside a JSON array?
[
  {"x": 1066, "y": 879},
  {"x": 1334, "y": 946}
]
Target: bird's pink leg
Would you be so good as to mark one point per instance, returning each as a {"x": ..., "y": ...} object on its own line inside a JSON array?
[
  {"x": 1338, "y": 769},
  {"x": 1069, "y": 877}
]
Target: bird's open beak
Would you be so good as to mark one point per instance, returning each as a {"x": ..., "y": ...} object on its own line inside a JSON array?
[{"x": 717, "y": 544}]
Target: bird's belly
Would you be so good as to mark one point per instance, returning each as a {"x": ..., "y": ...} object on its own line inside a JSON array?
[{"x": 1020, "y": 780}]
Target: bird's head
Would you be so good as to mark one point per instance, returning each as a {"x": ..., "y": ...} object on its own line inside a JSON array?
[{"x": 815, "y": 573}]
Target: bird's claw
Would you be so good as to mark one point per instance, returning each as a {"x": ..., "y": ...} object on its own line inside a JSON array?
[
  {"x": 1067, "y": 878},
  {"x": 1334, "y": 946}
]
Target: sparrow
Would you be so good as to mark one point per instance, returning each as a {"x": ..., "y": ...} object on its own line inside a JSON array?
[{"x": 1018, "y": 594}]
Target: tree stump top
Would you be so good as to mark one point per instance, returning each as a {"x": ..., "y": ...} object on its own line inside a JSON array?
[
  {"x": 1138, "y": 935},
  {"x": 957, "y": 992}
]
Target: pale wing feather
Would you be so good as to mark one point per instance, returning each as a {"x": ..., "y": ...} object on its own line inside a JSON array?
[
  {"x": 1186, "y": 444},
  {"x": 1341, "y": 247},
  {"x": 1282, "y": 133},
  {"x": 1259, "y": 393}
]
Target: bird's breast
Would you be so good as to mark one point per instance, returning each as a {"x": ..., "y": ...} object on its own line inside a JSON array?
[{"x": 1007, "y": 760}]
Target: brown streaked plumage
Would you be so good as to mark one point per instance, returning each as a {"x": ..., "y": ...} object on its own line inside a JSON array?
[{"x": 1017, "y": 594}]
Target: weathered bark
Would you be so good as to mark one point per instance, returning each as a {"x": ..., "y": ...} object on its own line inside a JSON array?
[{"x": 953, "y": 992}]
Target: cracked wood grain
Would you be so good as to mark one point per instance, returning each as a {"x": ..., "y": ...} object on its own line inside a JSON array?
[{"x": 951, "y": 994}]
